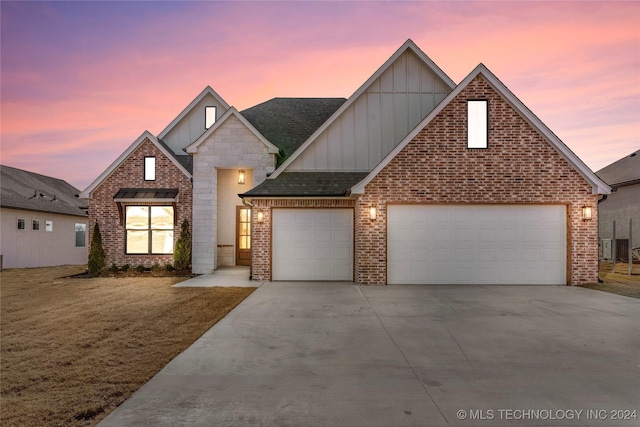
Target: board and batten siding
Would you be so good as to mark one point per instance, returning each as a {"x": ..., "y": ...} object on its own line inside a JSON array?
[
  {"x": 377, "y": 120},
  {"x": 192, "y": 125}
]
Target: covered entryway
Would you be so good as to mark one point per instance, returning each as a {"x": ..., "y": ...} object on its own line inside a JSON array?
[
  {"x": 312, "y": 244},
  {"x": 476, "y": 244}
]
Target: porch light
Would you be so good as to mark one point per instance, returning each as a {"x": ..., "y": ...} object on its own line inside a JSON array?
[
  {"x": 260, "y": 217},
  {"x": 373, "y": 214},
  {"x": 241, "y": 177},
  {"x": 586, "y": 213}
]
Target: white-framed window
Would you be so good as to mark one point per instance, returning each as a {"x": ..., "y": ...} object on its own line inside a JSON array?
[
  {"x": 48, "y": 225},
  {"x": 149, "y": 168},
  {"x": 81, "y": 235},
  {"x": 209, "y": 116},
  {"x": 149, "y": 230},
  {"x": 35, "y": 225},
  {"x": 477, "y": 123},
  {"x": 22, "y": 224}
]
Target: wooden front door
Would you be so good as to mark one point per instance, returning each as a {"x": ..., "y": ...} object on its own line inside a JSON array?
[{"x": 243, "y": 236}]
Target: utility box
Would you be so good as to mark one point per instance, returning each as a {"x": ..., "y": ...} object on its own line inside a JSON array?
[{"x": 606, "y": 248}]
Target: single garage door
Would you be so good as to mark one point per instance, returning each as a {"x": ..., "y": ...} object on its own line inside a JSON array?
[
  {"x": 312, "y": 244},
  {"x": 476, "y": 244}
]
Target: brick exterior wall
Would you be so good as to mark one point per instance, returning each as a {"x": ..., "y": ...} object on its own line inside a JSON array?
[
  {"x": 129, "y": 174},
  {"x": 519, "y": 167}
]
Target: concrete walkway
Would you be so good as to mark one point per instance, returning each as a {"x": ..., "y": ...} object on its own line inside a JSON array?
[
  {"x": 224, "y": 276},
  {"x": 331, "y": 354}
]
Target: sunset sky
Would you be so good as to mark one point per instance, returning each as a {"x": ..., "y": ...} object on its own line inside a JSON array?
[{"x": 80, "y": 81}]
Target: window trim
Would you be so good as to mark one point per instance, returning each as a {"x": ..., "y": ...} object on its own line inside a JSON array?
[
  {"x": 84, "y": 240},
  {"x": 24, "y": 224},
  {"x": 149, "y": 231},
  {"x": 35, "y": 222},
  {"x": 145, "y": 168},
  {"x": 486, "y": 118},
  {"x": 206, "y": 116}
]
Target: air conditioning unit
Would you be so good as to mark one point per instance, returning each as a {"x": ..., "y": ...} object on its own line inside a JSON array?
[{"x": 606, "y": 248}]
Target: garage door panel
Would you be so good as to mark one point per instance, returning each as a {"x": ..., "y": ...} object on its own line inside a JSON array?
[
  {"x": 312, "y": 244},
  {"x": 484, "y": 244}
]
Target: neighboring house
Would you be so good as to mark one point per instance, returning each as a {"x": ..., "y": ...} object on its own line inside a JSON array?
[
  {"x": 44, "y": 223},
  {"x": 622, "y": 205},
  {"x": 413, "y": 179}
]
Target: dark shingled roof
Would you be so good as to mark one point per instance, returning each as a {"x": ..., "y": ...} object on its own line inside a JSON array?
[
  {"x": 625, "y": 170},
  {"x": 288, "y": 122},
  {"x": 184, "y": 159},
  {"x": 308, "y": 184},
  {"x": 22, "y": 189},
  {"x": 146, "y": 193}
]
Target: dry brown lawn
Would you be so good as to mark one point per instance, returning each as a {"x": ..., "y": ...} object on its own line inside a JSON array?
[
  {"x": 74, "y": 349},
  {"x": 619, "y": 282}
]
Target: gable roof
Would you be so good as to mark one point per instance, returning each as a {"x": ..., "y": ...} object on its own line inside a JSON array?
[
  {"x": 307, "y": 184},
  {"x": 598, "y": 186},
  {"x": 408, "y": 45},
  {"x": 21, "y": 189},
  {"x": 288, "y": 122},
  {"x": 193, "y": 147},
  {"x": 86, "y": 193},
  {"x": 622, "y": 172},
  {"x": 207, "y": 91}
]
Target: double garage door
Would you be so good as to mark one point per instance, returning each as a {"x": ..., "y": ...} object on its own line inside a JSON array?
[
  {"x": 476, "y": 244},
  {"x": 429, "y": 244}
]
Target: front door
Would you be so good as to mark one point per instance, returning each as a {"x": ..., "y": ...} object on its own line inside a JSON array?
[{"x": 243, "y": 236}]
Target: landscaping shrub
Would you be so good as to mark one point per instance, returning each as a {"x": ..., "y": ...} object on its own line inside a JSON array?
[
  {"x": 182, "y": 251},
  {"x": 113, "y": 269},
  {"x": 140, "y": 268},
  {"x": 96, "y": 252},
  {"x": 126, "y": 268},
  {"x": 169, "y": 267}
]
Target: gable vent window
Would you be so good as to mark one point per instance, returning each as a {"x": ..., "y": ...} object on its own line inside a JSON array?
[
  {"x": 149, "y": 168},
  {"x": 209, "y": 116},
  {"x": 477, "y": 123}
]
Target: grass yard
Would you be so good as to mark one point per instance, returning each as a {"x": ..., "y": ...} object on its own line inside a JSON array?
[
  {"x": 619, "y": 282},
  {"x": 72, "y": 350}
]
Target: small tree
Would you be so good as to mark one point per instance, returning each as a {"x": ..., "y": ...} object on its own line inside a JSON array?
[
  {"x": 96, "y": 252},
  {"x": 182, "y": 251}
]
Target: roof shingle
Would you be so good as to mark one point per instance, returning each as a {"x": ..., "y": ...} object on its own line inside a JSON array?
[{"x": 308, "y": 184}]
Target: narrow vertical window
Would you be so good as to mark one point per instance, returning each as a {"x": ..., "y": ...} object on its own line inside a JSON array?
[
  {"x": 48, "y": 226},
  {"x": 209, "y": 116},
  {"x": 477, "y": 123},
  {"x": 22, "y": 224},
  {"x": 35, "y": 225},
  {"x": 149, "y": 168},
  {"x": 81, "y": 235}
]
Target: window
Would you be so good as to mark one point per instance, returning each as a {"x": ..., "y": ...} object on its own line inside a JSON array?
[
  {"x": 48, "y": 226},
  {"x": 149, "y": 230},
  {"x": 22, "y": 224},
  {"x": 477, "y": 123},
  {"x": 81, "y": 235},
  {"x": 209, "y": 116},
  {"x": 149, "y": 168},
  {"x": 35, "y": 225}
]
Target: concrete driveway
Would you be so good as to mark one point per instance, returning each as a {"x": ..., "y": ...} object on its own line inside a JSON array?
[{"x": 307, "y": 354}]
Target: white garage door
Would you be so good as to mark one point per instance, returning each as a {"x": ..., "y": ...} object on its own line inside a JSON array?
[
  {"x": 476, "y": 244},
  {"x": 312, "y": 244}
]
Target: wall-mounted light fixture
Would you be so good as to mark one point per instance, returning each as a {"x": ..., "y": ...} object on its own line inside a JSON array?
[
  {"x": 260, "y": 217},
  {"x": 373, "y": 214},
  {"x": 586, "y": 213},
  {"x": 241, "y": 177}
]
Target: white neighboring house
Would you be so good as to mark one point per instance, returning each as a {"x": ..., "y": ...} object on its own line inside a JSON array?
[{"x": 43, "y": 222}]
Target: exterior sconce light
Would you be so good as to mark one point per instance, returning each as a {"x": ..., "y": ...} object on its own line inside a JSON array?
[
  {"x": 260, "y": 217},
  {"x": 586, "y": 213},
  {"x": 373, "y": 214},
  {"x": 241, "y": 177}
]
